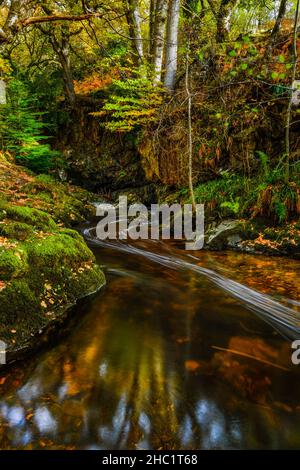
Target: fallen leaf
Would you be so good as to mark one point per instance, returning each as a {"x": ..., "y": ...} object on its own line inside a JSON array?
[
  {"x": 191, "y": 365},
  {"x": 2, "y": 285}
]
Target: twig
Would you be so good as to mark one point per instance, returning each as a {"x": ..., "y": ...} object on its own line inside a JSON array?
[
  {"x": 240, "y": 353},
  {"x": 190, "y": 129}
]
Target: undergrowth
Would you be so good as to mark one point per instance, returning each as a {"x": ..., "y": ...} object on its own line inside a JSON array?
[{"x": 233, "y": 195}]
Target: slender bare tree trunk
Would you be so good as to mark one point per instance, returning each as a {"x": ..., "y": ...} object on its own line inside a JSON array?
[
  {"x": 137, "y": 22},
  {"x": 172, "y": 44},
  {"x": 2, "y": 92},
  {"x": 151, "y": 28},
  {"x": 134, "y": 24},
  {"x": 159, "y": 37},
  {"x": 190, "y": 127},
  {"x": 280, "y": 17},
  {"x": 289, "y": 111}
]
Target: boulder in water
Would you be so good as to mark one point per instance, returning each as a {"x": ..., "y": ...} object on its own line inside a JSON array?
[{"x": 227, "y": 234}]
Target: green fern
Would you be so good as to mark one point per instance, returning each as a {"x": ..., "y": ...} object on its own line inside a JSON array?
[
  {"x": 22, "y": 130},
  {"x": 132, "y": 105}
]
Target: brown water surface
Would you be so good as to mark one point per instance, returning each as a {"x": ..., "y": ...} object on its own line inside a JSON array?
[{"x": 179, "y": 351}]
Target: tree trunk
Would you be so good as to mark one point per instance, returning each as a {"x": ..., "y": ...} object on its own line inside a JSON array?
[
  {"x": 172, "y": 44},
  {"x": 10, "y": 26},
  {"x": 222, "y": 16},
  {"x": 280, "y": 17},
  {"x": 61, "y": 47},
  {"x": 2, "y": 92},
  {"x": 159, "y": 37},
  {"x": 62, "y": 51},
  {"x": 151, "y": 29},
  {"x": 289, "y": 111},
  {"x": 134, "y": 24},
  {"x": 223, "y": 19}
]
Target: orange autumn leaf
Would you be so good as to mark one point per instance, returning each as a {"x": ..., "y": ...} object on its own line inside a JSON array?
[
  {"x": 94, "y": 82},
  {"x": 191, "y": 365}
]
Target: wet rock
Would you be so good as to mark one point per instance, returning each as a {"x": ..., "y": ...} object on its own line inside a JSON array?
[
  {"x": 142, "y": 195},
  {"x": 98, "y": 159},
  {"x": 227, "y": 234}
]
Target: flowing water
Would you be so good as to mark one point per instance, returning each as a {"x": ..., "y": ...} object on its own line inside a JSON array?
[{"x": 179, "y": 351}]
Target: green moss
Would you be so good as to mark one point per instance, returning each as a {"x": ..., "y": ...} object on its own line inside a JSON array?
[
  {"x": 59, "y": 271},
  {"x": 58, "y": 249},
  {"x": 15, "y": 230},
  {"x": 44, "y": 267},
  {"x": 72, "y": 283},
  {"x": 70, "y": 210},
  {"x": 45, "y": 197},
  {"x": 38, "y": 219},
  {"x": 72, "y": 233},
  {"x": 13, "y": 263},
  {"x": 68, "y": 205},
  {"x": 17, "y": 302},
  {"x": 88, "y": 280},
  {"x": 46, "y": 179}
]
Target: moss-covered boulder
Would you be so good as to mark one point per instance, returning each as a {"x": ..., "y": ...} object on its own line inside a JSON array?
[{"x": 45, "y": 267}]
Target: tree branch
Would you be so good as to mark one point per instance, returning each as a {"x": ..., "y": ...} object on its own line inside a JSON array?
[
  {"x": 5, "y": 36},
  {"x": 48, "y": 19}
]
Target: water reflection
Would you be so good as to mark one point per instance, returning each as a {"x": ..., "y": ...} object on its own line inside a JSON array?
[{"x": 160, "y": 360}]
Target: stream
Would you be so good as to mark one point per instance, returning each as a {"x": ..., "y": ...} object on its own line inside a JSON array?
[{"x": 181, "y": 350}]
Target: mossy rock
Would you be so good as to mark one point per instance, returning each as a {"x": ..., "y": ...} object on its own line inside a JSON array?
[
  {"x": 13, "y": 263},
  {"x": 45, "y": 267},
  {"x": 58, "y": 249},
  {"x": 71, "y": 233},
  {"x": 17, "y": 302},
  {"x": 16, "y": 230},
  {"x": 42, "y": 278},
  {"x": 38, "y": 219},
  {"x": 66, "y": 204}
]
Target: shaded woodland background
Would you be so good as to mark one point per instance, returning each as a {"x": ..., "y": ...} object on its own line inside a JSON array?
[{"x": 195, "y": 98}]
